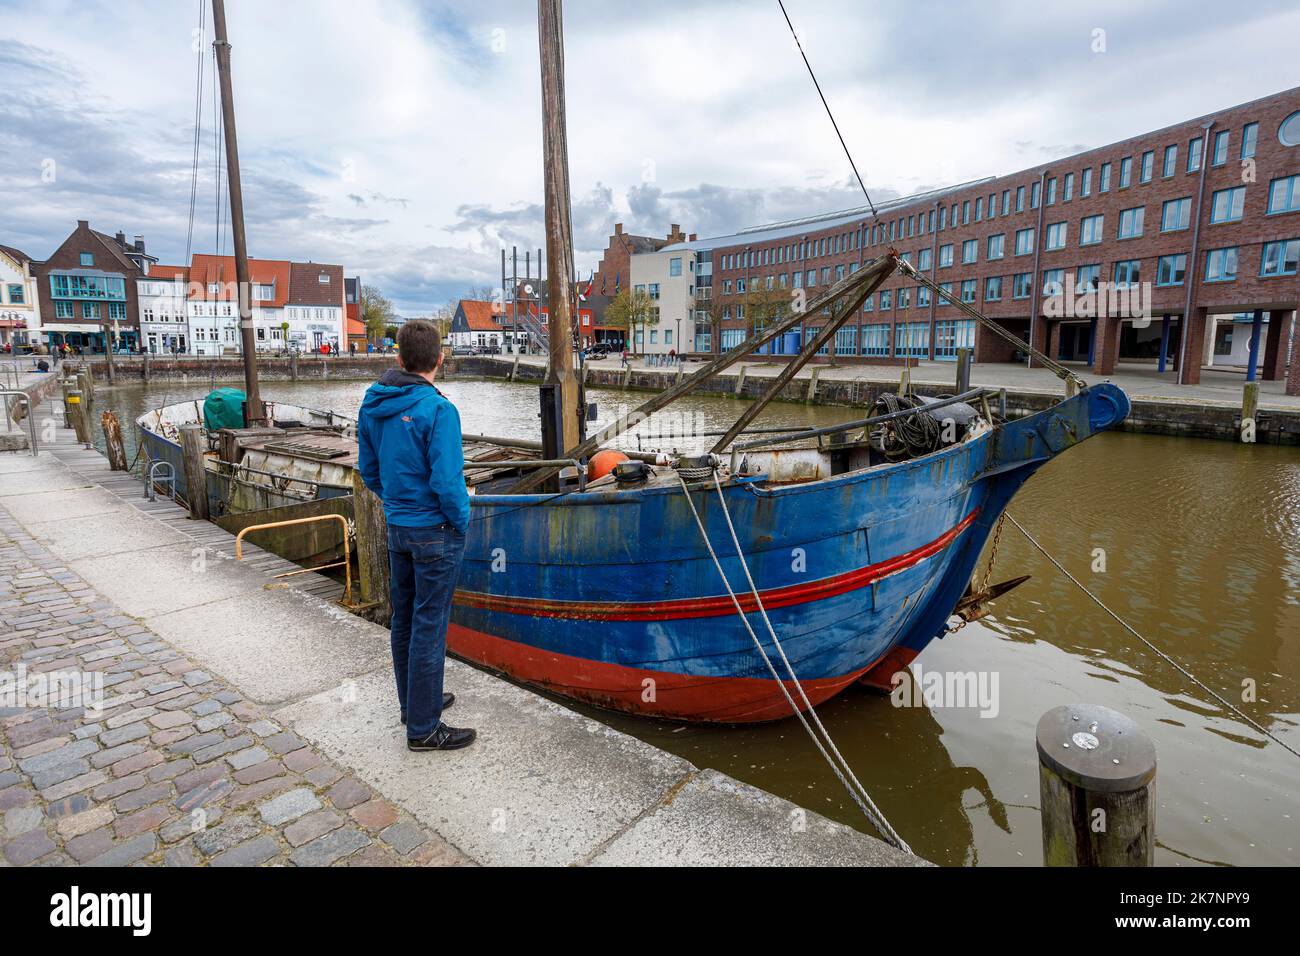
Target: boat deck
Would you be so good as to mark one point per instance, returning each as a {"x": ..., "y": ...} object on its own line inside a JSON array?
[{"x": 93, "y": 467}]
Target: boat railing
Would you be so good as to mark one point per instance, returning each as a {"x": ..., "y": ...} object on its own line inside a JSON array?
[{"x": 346, "y": 563}]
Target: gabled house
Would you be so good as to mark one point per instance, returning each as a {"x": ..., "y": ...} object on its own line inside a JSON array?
[
  {"x": 88, "y": 290},
  {"x": 475, "y": 325},
  {"x": 20, "y": 312}
]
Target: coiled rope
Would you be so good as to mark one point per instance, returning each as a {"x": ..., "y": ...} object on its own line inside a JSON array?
[
  {"x": 839, "y": 766},
  {"x": 1155, "y": 650}
]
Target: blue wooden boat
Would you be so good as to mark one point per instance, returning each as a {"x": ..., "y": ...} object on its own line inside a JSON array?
[{"x": 610, "y": 596}]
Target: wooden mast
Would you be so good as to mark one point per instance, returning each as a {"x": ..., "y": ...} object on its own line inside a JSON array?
[
  {"x": 255, "y": 412},
  {"x": 560, "y": 429}
]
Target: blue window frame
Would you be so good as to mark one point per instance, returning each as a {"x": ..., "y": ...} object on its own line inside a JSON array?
[
  {"x": 993, "y": 289},
  {"x": 1091, "y": 230},
  {"x": 924, "y": 260},
  {"x": 1171, "y": 160},
  {"x": 1103, "y": 184},
  {"x": 1087, "y": 277},
  {"x": 1126, "y": 172},
  {"x": 1220, "y": 154},
  {"x": 951, "y": 335},
  {"x": 1054, "y": 236},
  {"x": 886, "y": 300},
  {"x": 1021, "y": 285},
  {"x": 1085, "y": 184},
  {"x": 970, "y": 250},
  {"x": 1053, "y": 282},
  {"x": 913, "y": 339},
  {"x": 1128, "y": 272},
  {"x": 945, "y": 256},
  {"x": 1284, "y": 194},
  {"x": 875, "y": 340},
  {"x": 1148, "y": 165},
  {"x": 846, "y": 341},
  {"x": 1249, "y": 140},
  {"x": 997, "y": 246},
  {"x": 1130, "y": 222},
  {"x": 969, "y": 290},
  {"x": 1171, "y": 270},
  {"x": 1194, "y": 148},
  {"x": 63, "y": 309},
  {"x": 1279, "y": 258},
  {"x": 88, "y": 259},
  {"x": 1024, "y": 242},
  {"x": 1176, "y": 214},
  {"x": 1228, "y": 205},
  {"x": 1221, "y": 264}
]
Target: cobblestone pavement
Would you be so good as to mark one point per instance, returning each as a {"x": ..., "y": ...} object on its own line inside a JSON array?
[{"x": 176, "y": 768}]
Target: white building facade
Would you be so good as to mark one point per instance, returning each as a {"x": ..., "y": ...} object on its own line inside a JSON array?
[
  {"x": 668, "y": 278},
  {"x": 164, "y": 310},
  {"x": 20, "y": 307}
]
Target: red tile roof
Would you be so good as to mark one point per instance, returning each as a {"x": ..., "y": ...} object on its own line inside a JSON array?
[
  {"x": 206, "y": 270},
  {"x": 480, "y": 315},
  {"x": 306, "y": 287}
]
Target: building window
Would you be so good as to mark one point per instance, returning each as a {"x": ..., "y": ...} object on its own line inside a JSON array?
[
  {"x": 1067, "y": 188},
  {"x": 1228, "y": 204},
  {"x": 1054, "y": 236},
  {"x": 675, "y": 266},
  {"x": 846, "y": 341},
  {"x": 1279, "y": 258},
  {"x": 1103, "y": 184},
  {"x": 1086, "y": 278},
  {"x": 914, "y": 339},
  {"x": 1220, "y": 155},
  {"x": 1020, "y": 199},
  {"x": 117, "y": 311},
  {"x": 16, "y": 295},
  {"x": 1194, "y": 154},
  {"x": 1090, "y": 230},
  {"x": 1284, "y": 194},
  {"x": 1053, "y": 282},
  {"x": 90, "y": 310},
  {"x": 1249, "y": 139},
  {"x": 979, "y": 208},
  {"x": 945, "y": 256},
  {"x": 997, "y": 246},
  {"x": 1024, "y": 241},
  {"x": 875, "y": 340},
  {"x": 63, "y": 309},
  {"x": 1085, "y": 183},
  {"x": 993, "y": 289},
  {"x": 904, "y": 298},
  {"x": 1051, "y": 191},
  {"x": 1006, "y": 202},
  {"x": 869, "y": 304},
  {"x": 886, "y": 300},
  {"x": 1176, "y": 214},
  {"x": 968, "y": 290},
  {"x": 1171, "y": 160},
  {"x": 1125, "y": 172},
  {"x": 1035, "y": 194},
  {"x": 922, "y": 296},
  {"x": 946, "y": 288},
  {"x": 970, "y": 251},
  {"x": 1171, "y": 270},
  {"x": 87, "y": 259},
  {"x": 965, "y": 212},
  {"x": 1148, "y": 165},
  {"x": 1221, "y": 265},
  {"x": 924, "y": 260},
  {"x": 1130, "y": 222},
  {"x": 1128, "y": 272},
  {"x": 1288, "y": 134},
  {"x": 951, "y": 335}
]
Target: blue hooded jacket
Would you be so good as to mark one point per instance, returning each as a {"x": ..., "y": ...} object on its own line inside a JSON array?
[{"x": 410, "y": 452}]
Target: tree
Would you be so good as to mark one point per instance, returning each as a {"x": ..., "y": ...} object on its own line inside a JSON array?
[
  {"x": 376, "y": 312},
  {"x": 763, "y": 307},
  {"x": 632, "y": 309}
]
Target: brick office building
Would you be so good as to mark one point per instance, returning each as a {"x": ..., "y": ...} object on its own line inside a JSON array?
[
  {"x": 614, "y": 271},
  {"x": 1199, "y": 219}
]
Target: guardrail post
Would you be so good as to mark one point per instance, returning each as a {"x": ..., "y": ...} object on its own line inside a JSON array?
[
  {"x": 196, "y": 477},
  {"x": 1096, "y": 774},
  {"x": 372, "y": 549}
]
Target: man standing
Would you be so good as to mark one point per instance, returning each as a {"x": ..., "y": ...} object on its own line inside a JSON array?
[{"x": 410, "y": 456}]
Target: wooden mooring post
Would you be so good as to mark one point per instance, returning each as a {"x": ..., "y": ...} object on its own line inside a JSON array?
[
  {"x": 1096, "y": 775},
  {"x": 80, "y": 419},
  {"x": 963, "y": 370},
  {"x": 372, "y": 551},
  {"x": 1249, "y": 412},
  {"x": 193, "y": 445},
  {"x": 113, "y": 441}
]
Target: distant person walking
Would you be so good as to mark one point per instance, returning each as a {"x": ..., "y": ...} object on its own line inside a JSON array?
[{"x": 410, "y": 456}]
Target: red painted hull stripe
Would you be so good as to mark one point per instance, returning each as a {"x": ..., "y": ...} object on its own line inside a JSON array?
[{"x": 716, "y": 606}]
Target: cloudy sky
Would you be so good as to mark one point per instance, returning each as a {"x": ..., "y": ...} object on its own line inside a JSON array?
[{"x": 402, "y": 138}]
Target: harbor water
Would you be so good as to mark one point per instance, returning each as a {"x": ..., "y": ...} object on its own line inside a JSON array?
[{"x": 1195, "y": 543}]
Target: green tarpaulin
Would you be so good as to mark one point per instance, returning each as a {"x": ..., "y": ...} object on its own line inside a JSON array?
[{"x": 224, "y": 408}]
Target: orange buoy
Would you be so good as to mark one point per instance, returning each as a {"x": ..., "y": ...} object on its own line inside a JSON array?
[{"x": 603, "y": 462}]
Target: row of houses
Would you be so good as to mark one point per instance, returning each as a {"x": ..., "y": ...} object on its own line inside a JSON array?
[
  {"x": 97, "y": 289},
  {"x": 1178, "y": 247}
]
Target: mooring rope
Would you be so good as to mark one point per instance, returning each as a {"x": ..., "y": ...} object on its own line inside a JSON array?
[
  {"x": 859, "y": 795},
  {"x": 1155, "y": 650}
]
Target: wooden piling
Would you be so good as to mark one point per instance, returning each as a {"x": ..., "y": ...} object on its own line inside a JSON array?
[
  {"x": 811, "y": 395},
  {"x": 1096, "y": 773},
  {"x": 77, "y": 412},
  {"x": 67, "y": 386},
  {"x": 963, "y": 370},
  {"x": 144, "y": 366},
  {"x": 113, "y": 441},
  {"x": 193, "y": 445},
  {"x": 293, "y": 366},
  {"x": 1249, "y": 411},
  {"x": 372, "y": 550},
  {"x": 740, "y": 381}
]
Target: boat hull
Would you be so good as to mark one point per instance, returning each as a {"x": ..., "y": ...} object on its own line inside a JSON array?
[{"x": 612, "y": 598}]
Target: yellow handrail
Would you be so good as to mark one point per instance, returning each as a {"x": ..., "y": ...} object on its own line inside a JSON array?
[{"x": 347, "y": 551}]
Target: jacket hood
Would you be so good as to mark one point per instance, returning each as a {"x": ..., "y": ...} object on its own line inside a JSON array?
[{"x": 395, "y": 393}]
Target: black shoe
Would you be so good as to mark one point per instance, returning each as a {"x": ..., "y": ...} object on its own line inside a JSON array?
[
  {"x": 447, "y": 700},
  {"x": 444, "y": 738}
]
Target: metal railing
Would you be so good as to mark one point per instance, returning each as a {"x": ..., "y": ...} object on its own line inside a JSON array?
[
  {"x": 25, "y": 399},
  {"x": 151, "y": 478},
  {"x": 346, "y": 563}
]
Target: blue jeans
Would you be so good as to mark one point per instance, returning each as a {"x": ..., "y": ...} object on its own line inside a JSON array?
[{"x": 425, "y": 563}]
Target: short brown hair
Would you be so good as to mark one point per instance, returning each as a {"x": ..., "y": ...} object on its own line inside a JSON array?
[{"x": 418, "y": 346}]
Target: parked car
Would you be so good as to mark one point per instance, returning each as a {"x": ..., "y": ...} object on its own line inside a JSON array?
[{"x": 463, "y": 350}]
